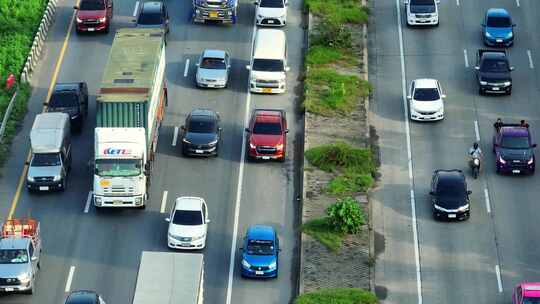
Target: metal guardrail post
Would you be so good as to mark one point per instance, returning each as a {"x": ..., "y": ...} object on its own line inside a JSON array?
[{"x": 6, "y": 115}]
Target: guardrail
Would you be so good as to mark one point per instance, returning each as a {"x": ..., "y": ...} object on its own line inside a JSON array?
[{"x": 6, "y": 115}]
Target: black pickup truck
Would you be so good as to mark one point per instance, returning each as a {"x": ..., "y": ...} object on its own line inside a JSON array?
[
  {"x": 493, "y": 72},
  {"x": 72, "y": 99}
]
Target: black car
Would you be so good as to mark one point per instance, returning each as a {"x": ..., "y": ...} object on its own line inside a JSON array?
[
  {"x": 84, "y": 297},
  {"x": 153, "y": 15},
  {"x": 493, "y": 72},
  {"x": 72, "y": 99},
  {"x": 449, "y": 195},
  {"x": 201, "y": 133}
]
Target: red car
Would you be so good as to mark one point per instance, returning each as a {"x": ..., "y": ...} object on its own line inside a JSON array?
[
  {"x": 94, "y": 15},
  {"x": 267, "y": 134},
  {"x": 526, "y": 293}
]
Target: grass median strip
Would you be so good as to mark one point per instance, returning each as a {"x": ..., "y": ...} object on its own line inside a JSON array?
[
  {"x": 337, "y": 296},
  {"x": 339, "y": 11}
]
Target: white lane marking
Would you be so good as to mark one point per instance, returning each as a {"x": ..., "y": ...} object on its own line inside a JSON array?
[
  {"x": 164, "y": 201},
  {"x": 409, "y": 157},
  {"x": 239, "y": 185},
  {"x": 69, "y": 278},
  {"x": 175, "y": 136},
  {"x": 466, "y": 58},
  {"x": 499, "y": 281},
  {"x": 136, "y": 8},
  {"x": 486, "y": 196},
  {"x": 476, "y": 131},
  {"x": 457, "y": 2},
  {"x": 186, "y": 68},
  {"x": 517, "y": 2},
  {"x": 88, "y": 200},
  {"x": 531, "y": 64}
]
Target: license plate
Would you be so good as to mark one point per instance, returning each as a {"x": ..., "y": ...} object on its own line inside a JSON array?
[
  {"x": 8, "y": 289},
  {"x": 495, "y": 89},
  {"x": 516, "y": 171},
  {"x": 91, "y": 29},
  {"x": 270, "y": 21},
  {"x": 117, "y": 202},
  {"x": 199, "y": 151},
  {"x": 451, "y": 216},
  {"x": 210, "y": 85},
  {"x": 43, "y": 188},
  {"x": 499, "y": 40},
  {"x": 266, "y": 157},
  {"x": 185, "y": 244},
  {"x": 258, "y": 272},
  {"x": 267, "y": 90},
  {"x": 213, "y": 14}
]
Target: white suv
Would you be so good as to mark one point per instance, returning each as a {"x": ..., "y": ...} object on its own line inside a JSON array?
[
  {"x": 422, "y": 12},
  {"x": 188, "y": 223},
  {"x": 426, "y": 100},
  {"x": 271, "y": 12}
]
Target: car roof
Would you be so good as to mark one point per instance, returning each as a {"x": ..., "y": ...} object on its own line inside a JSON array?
[
  {"x": 189, "y": 203},
  {"x": 450, "y": 176},
  {"x": 213, "y": 54},
  {"x": 531, "y": 289},
  {"x": 152, "y": 7},
  {"x": 14, "y": 243},
  {"x": 516, "y": 131},
  {"x": 261, "y": 232},
  {"x": 497, "y": 12},
  {"x": 269, "y": 44},
  {"x": 425, "y": 83},
  {"x": 82, "y": 297},
  {"x": 202, "y": 112},
  {"x": 267, "y": 115}
]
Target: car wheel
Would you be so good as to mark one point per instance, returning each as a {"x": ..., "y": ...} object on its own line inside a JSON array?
[
  {"x": 480, "y": 91},
  {"x": 497, "y": 170},
  {"x": 107, "y": 28},
  {"x": 64, "y": 184},
  {"x": 509, "y": 92}
]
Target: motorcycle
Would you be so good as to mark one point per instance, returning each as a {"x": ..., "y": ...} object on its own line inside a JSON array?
[{"x": 475, "y": 166}]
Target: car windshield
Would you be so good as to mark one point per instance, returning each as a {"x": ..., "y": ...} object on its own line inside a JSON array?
[
  {"x": 13, "y": 256},
  {"x": 422, "y": 6},
  {"x": 92, "y": 5},
  {"x": 499, "y": 22},
  {"x": 63, "y": 100},
  {"x": 260, "y": 247},
  {"x": 187, "y": 217},
  {"x": 515, "y": 142},
  {"x": 45, "y": 160},
  {"x": 268, "y": 65},
  {"x": 527, "y": 300},
  {"x": 271, "y": 128},
  {"x": 450, "y": 189},
  {"x": 118, "y": 167},
  {"x": 213, "y": 63},
  {"x": 426, "y": 94},
  {"x": 491, "y": 65},
  {"x": 271, "y": 3},
  {"x": 201, "y": 126},
  {"x": 150, "y": 18}
]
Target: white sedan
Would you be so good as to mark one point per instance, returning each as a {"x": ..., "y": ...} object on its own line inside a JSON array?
[
  {"x": 188, "y": 223},
  {"x": 426, "y": 100}
]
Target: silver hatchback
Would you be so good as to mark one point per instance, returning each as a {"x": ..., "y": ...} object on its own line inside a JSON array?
[{"x": 213, "y": 69}]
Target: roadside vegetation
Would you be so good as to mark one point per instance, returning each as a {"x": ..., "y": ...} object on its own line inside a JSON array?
[
  {"x": 19, "y": 20},
  {"x": 337, "y": 296}
]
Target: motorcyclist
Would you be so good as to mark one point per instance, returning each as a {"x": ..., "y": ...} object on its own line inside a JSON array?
[{"x": 475, "y": 152}]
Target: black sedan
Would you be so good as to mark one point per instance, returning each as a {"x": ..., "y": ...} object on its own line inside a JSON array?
[
  {"x": 84, "y": 297},
  {"x": 201, "y": 133},
  {"x": 449, "y": 195}
]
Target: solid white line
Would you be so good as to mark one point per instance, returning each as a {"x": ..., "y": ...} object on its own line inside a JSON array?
[
  {"x": 136, "y": 8},
  {"x": 476, "y": 131},
  {"x": 457, "y": 2},
  {"x": 69, "y": 278},
  {"x": 175, "y": 136},
  {"x": 486, "y": 196},
  {"x": 466, "y": 58},
  {"x": 232, "y": 259},
  {"x": 499, "y": 281},
  {"x": 186, "y": 68},
  {"x": 409, "y": 157},
  {"x": 517, "y": 2},
  {"x": 531, "y": 64},
  {"x": 88, "y": 200},
  {"x": 164, "y": 201}
]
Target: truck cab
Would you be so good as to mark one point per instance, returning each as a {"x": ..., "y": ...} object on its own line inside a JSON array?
[
  {"x": 493, "y": 72},
  {"x": 223, "y": 11},
  {"x": 514, "y": 149}
]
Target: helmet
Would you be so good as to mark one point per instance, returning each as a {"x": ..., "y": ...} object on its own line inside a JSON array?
[{"x": 475, "y": 145}]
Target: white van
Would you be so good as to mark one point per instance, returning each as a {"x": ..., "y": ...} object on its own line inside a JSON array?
[{"x": 268, "y": 62}]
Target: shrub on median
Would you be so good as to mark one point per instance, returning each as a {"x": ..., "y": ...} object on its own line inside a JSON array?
[
  {"x": 339, "y": 11},
  {"x": 337, "y": 296},
  {"x": 341, "y": 156},
  {"x": 346, "y": 216}
]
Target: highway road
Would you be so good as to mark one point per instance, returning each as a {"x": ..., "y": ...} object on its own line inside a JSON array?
[
  {"x": 479, "y": 260},
  {"x": 84, "y": 249}
]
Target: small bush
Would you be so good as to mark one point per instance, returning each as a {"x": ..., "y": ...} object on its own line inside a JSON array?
[
  {"x": 341, "y": 156},
  {"x": 321, "y": 230},
  {"x": 346, "y": 215},
  {"x": 338, "y": 296},
  {"x": 339, "y": 11},
  {"x": 350, "y": 182},
  {"x": 332, "y": 34}
]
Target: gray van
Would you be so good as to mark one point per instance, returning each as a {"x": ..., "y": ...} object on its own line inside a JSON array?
[{"x": 51, "y": 152}]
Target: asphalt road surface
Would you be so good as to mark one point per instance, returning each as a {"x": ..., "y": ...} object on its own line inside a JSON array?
[
  {"x": 102, "y": 250},
  {"x": 482, "y": 259}
]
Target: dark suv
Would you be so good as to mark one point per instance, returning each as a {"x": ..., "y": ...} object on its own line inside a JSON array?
[
  {"x": 449, "y": 195},
  {"x": 201, "y": 133},
  {"x": 493, "y": 72},
  {"x": 514, "y": 149},
  {"x": 153, "y": 15},
  {"x": 72, "y": 99}
]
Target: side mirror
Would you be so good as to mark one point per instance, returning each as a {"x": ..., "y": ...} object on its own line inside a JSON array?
[
  {"x": 443, "y": 95},
  {"x": 409, "y": 97},
  {"x": 533, "y": 145},
  {"x": 469, "y": 192},
  {"x": 286, "y": 130},
  {"x": 477, "y": 68},
  {"x": 168, "y": 220},
  {"x": 247, "y": 130},
  {"x": 34, "y": 258},
  {"x": 431, "y": 193},
  {"x": 75, "y": 7},
  {"x": 287, "y": 69},
  {"x": 220, "y": 129},
  {"x": 248, "y": 67},
  {"x": 207, "y": 221},
  {"x": 512, "y": 68}
]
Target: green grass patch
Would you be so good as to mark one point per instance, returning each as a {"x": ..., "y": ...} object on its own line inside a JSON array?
[
  {"x": 337, "y": 296},
  {"x": 328, "y": 93},
  {"x": 17, "y": 114},
  {"x": 341, "y": 156},
  {"x": 339, "y": 11},
  {"x": 320, "y": 55},
  {"x": 324, "y": 232},
  {"x": 350, "y": 182}
]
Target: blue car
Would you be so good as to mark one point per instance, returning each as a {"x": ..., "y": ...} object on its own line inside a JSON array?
[
  {"x": 498, "y": 29},
  {"x": 260, "y": 252}
]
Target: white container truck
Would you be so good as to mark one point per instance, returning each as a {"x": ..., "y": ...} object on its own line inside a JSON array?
[{"x": 170, "y": 277}]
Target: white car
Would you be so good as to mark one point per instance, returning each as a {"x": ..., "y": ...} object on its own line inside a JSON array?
[
  {"x": 188, "y": 223},
  {"x": 271, "y": 12},
  {"x": 422, "y": 12},
  {"x": 426, "y": 100}
]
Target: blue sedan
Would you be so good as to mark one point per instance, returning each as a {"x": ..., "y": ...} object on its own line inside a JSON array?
[
  {"x": 260, "y": 252},
  {"x": 498, "y": 29}
]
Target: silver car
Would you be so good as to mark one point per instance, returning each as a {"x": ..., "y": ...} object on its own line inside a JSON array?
[
  {"x": 213, "y": 69},
  {"x": 19, "y": 262}
]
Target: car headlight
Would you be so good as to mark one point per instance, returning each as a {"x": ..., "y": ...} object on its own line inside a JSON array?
[
  {"x": 260, "y": 16},
  {"x": 176, "y": 237},
  {"x": 488, "y": 35},
  {"x": 510, "y": 34},
  {"x": 30, "y": 179},
  {"x": 252, "y": 146},
  {"x": 530, "y": 161},
  {"x": 200, "y": 237},
  {"x": 97, "y": 200},
  {"x": 186, "y": 141},
  {"x": 279, "y": 147},
  {"x": 197, "y": 11},
  {"x": 501, "y": 160},
  {"x": 463, "y": 208},
  {"x": 483, "y": 82},
  {"x": 245, "y": 264},
  {"x": 102, "y": 19},
  {"x": 138, "y": 201},
  {"x": 438, "y": 207},
  {"x": 213, "y": 143},
  {"x": 507, "y": 83},
  {"x": 56, "y": 178},
  {"x": 272, "y": 265},
  {"x": 79, "y": 20},
  {"x": 25, "y": 278}
]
